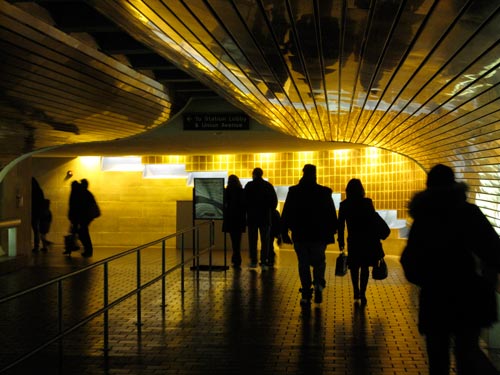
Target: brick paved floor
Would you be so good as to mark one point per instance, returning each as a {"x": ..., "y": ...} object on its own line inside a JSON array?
[{"x": 232, "y": 322}]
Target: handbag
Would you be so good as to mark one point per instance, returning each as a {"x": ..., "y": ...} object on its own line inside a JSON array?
[
  {"x": 379, "y": 271},
  {"x": 341, "y": 265},
  {"x": 382, "y": 230},
  {"x": 70, "y": 243}
]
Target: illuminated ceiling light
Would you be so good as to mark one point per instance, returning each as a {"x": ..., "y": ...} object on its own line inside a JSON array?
[
  {"x": 122, "y": 164},
  {"x": 89, "y": 161},
  {"x": 208, "y": 174},
  {"x": 165, "y": 171}
]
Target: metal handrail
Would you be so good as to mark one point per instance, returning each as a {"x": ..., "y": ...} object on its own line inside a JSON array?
[
  {"x": 197, "y": 252},
  {"x": 9, "y": 223}
]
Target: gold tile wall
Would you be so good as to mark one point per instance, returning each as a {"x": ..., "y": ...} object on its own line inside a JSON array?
[
  {"x": 389, "y": 179},
  {"x": 137, "y": 210}
]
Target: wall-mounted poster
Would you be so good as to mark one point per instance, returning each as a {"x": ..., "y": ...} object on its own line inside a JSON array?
[{"x": 208, "y": 198}]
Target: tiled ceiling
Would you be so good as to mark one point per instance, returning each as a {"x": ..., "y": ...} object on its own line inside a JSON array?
[{"x": 417, "y": 77}]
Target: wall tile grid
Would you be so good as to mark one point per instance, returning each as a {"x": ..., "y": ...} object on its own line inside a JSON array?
[
  {"x": 389, "y": 179},
  {"x": 137, "y": 210}
]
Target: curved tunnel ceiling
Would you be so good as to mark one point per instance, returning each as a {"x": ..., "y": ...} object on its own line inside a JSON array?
[
  {"x": 55, "y": 89},
  {"x": 417, "y": 77}
]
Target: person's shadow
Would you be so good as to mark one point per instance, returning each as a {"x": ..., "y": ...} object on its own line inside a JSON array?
[
  {"x": 359, "y": 362},
  {"x": 311, "y": 351}
]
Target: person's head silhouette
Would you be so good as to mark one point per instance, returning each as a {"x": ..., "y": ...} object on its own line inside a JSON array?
[
  {"x": 440, "y": 176},
  {"x": 257, "y": 173}
]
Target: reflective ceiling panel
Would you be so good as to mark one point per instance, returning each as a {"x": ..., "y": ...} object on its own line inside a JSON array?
[
  {"x": 418, "y": 77},
  {"x": 56, "y": 89}
]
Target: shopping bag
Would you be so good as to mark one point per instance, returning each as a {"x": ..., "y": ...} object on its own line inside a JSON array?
[{"x": 341, "y": 265}]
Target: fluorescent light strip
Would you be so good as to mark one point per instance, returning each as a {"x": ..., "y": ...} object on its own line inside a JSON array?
[
  {"x": 122, "y": 164},
  {"x": 165, "y": 171}
]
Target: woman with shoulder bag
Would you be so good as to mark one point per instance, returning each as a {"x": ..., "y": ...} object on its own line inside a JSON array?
[{"x": 363, "y": 243}]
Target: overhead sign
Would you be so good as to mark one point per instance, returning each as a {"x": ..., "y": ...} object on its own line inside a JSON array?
[{"x": 216, "y": 121}]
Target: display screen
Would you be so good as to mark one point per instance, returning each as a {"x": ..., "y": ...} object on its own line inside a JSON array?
[{"x": 208, "y": 198}]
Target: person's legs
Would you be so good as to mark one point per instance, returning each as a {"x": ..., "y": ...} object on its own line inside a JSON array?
[
  {"x": 304, "y": 271},
  {"x": 253, "y": 235},
  {"x": 363, "y": 282},
  {"x": 45, "y": 242},
  {"x": 236, "y": 246},
  {"x": 467, "y": 351},
  {"x": 84, "y": 235},
  {"x": 438, "y": 353},
  {"x": 272, "y": 254},
  {"x": 354, "y": 271},
  {"x": 265, "y": 242},
  {"x": 318, "y": 263},
  {"x": 35, "y": 225}
]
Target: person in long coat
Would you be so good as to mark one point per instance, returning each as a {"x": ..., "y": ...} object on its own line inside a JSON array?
[
  {"x": 363, "y": 245},
  {"x": 234, "y": 216},
  {"x": 261, "y": 202},
  {"x": 453, "y": 255},
  {"x": 309, "y": 213}
]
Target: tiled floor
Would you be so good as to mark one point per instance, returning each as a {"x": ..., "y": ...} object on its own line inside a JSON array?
[{"x": 225, "y": 322}]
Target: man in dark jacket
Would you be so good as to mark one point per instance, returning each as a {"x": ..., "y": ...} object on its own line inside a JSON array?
[
  {"x": 448, "y": 240},
  {"x": 88, "y": 211},
  {"x": 261, "y": 202},
  {"x": 309, "y": 212}
]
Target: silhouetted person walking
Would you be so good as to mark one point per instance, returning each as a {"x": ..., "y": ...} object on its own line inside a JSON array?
[
  {"x": 45, "y": 222},
  {"x": 309, "y": 212},
  {"x": 448, "y": 240},
  {"x": 363, "y": 245},
  {"x": 70, "y": 241},
  {"x": 87, "y": 211},
  {"x": 37, "y": 203},
  {"x": 234, "y": 216},
  {"x": 261, "y": 201}
]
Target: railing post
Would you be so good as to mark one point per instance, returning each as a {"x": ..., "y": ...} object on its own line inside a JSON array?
[
  {"x": 60, "y": 318},
  {"x": 193, "y": 235},
  {"x": 210, "y": 241},
  {"x": 139, "y": 311},
  {"x": 197, "y": 251},
  {"x": 182, "y": 263},
  {"x": 163, "y": 270},
  {"x": 106, "y": 312}
]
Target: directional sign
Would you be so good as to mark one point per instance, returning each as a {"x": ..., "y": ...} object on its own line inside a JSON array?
[{"x": 216, "y": 121}]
